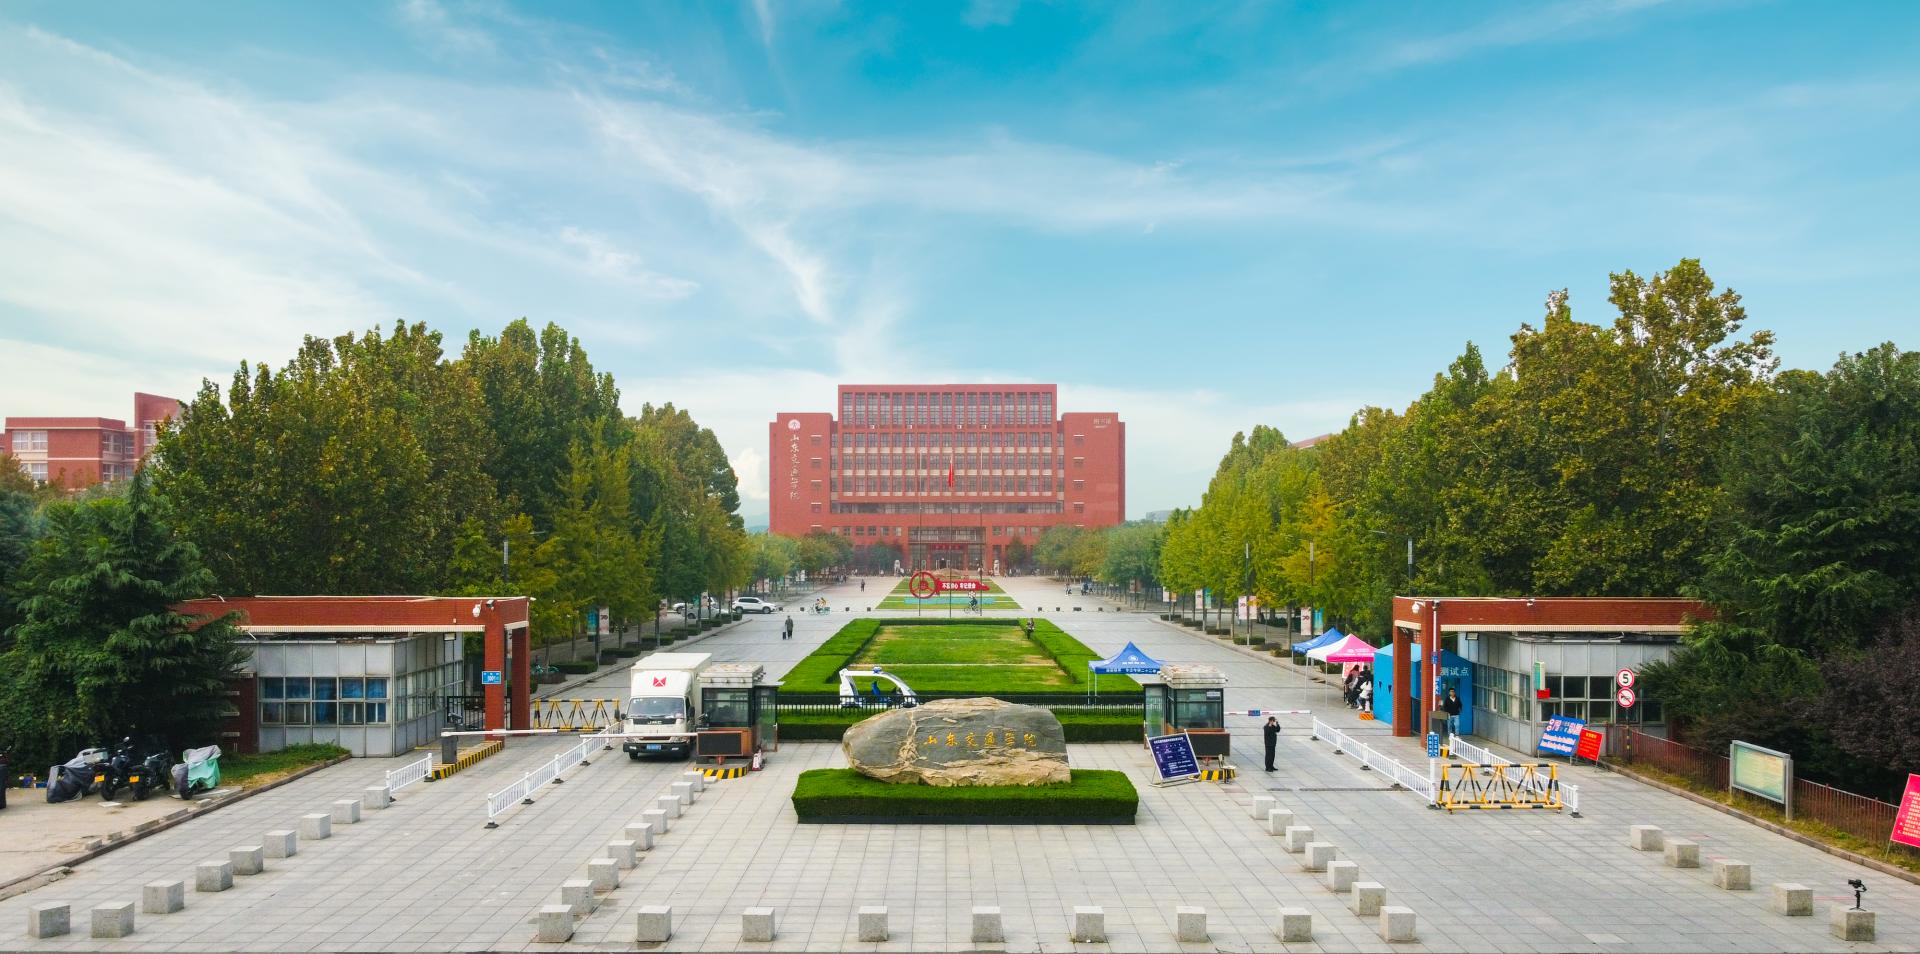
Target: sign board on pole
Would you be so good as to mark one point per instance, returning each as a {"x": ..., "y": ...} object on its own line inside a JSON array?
[
  {"x": 1561, "y": 736},
  {"x": 490, "y": 677},
  {"x": 606, "y": 621},
  {"x": 1906, "y": 821},
  {"x": 1173, "y": 758},
  {"x": 1762, "y": 772},
  {"x": 1625, "y": 697},
  {"x": 1623, "y": 679},
  {"x": 1591, "y": 741},
  {"x": 965, "y": 586}
]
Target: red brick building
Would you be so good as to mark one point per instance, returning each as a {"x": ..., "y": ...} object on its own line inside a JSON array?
[
  {"x": 949, "y": 474},
  {"x": 77, "y": 452}
]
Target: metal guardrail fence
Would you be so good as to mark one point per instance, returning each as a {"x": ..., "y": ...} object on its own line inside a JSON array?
[
  {"x": 409, "y": 773},
  {"x": 521, "y": 791},
  {"x": 1465, "y": 751},
  {"x": 573, "y": 715},
  {"x": 1420, "y": 783},
  {"x": 831, "y": 702}
]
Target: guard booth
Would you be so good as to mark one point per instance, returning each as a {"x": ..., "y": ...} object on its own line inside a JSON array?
[
  {"x": 738, "y": 713},
  {"x": 1190, "y": 699}
]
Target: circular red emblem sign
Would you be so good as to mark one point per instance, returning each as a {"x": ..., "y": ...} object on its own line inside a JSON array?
[{"x": 922, "y": 585}]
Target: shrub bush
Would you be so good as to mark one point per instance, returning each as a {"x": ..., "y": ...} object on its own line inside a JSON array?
[
  {"x": 1079, "y": 725},
  {"x": 845, "y": 796},
  {"x": 1256, "y": 640},
  {"x": 576, "y": 667}
]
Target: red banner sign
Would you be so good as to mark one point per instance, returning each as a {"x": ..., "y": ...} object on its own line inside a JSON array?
[
  {"x": 1906, "y": 821},
  {"x": 979, "y": 586},
  {"x": 1590, "y": 742}
]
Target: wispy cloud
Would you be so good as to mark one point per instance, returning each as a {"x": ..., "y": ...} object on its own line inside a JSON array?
[{"x": 431, "y": 22}]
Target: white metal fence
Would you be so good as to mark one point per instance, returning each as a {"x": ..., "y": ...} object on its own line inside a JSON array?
[
  {"x": 1413, "y": 780},
  {"x": 408, "y": 774},
  {"x": 1464, "y": 751},
  {"x": 522, "y": 790}
]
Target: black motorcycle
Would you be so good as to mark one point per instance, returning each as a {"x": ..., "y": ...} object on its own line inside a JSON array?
[
  {"x": 114, "y": 772},
  {"x": 151, "y": 773}
]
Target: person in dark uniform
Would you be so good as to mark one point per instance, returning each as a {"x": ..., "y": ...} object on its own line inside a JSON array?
[
  {"x": 787, "y": 631},
  {"x": 1272, "y": 731},
  {"x": 1451, "y": 704}
]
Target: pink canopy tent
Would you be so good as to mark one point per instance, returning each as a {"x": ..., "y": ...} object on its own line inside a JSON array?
[{"x": 1353, "y": 649}]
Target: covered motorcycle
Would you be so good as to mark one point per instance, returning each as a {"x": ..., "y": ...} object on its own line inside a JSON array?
[{"x": 197, "y": 771}]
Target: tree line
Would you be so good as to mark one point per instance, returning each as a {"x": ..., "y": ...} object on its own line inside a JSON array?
[{"x": 371, "y": 463}]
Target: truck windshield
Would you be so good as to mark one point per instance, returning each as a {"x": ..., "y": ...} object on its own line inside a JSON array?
[{"x": 656, "y": 711}]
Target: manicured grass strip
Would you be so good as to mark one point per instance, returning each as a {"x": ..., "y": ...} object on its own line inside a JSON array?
[
  {"x": 249, "y": 771},
  {"x": 926, "y": 641},
  {"x": 1080, "y": 725},
  {"x": 843, "y": 796}
]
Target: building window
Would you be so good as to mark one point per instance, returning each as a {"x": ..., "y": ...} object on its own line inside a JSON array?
[
  {"x": 349, "y": 700},
  {"x": 1079, "y": 506},
  {"x": 36, "y": 470},
  {"x": 27, "y": 441},
  {"x": 1079, "y": 484},
  {"x": 1079, "y": 462},
  {"x": 814, "y": 507}
]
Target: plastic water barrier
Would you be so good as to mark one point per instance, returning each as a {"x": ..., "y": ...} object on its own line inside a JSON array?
[
  {"x": 521, "y": 791},
  {"x": 410, "y": 773},
  {"x": 1420, "y": 783},
  {"x": 1466, "y": 751}
]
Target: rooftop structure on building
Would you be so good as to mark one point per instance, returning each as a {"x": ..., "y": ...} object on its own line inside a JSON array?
[{"x": 945, "y": 476}]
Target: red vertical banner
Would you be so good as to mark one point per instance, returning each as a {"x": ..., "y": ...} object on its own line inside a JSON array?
[{"x": 1906, "y": 821}]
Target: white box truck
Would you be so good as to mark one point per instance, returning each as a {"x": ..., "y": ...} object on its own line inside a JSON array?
[{"x": 663, "y": 705}]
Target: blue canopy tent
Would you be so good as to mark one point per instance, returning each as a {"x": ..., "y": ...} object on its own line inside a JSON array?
[
  {"x": 1331, "y": 636},
  {"x": 1128, "y": 661}
]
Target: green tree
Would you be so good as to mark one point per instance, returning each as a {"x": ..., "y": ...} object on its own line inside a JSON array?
[
  {"x": 99, "y": 651},
  {"x": 541, "y": 395}
]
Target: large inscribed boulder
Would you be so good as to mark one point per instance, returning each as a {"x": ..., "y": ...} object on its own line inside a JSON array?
[{"x": 956, "y": 742}]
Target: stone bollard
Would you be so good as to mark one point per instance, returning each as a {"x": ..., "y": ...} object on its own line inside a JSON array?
[
  {"x": 113, "y": 920},
  {"x": 49, "y": 920},
  {"x": 1295, "y": 924},
  {"x": 1319, "y": 855},
  {"x": 1367, "y": 898},
  {"x": 659, "y": 819},
  {"x": 1682, "y": 853},
  {"x": 316, "y": 827},
  {"x": 987, "y": 928},
  {"x": 211, "y": 876},
  {"x": 554, "y": 924},
  {"x": 697, "y": 779},
  {"x": 1278, "y": 821},
  {"x": 346, "y": 811},
  {"x": 283, "y": 843},
  {"x": 1089, "y": 924},
  {"x": 1297, "y": 837},
  {"x": 1397, "y": 924},
  {"x": 1341, "y": 875},
  {"x": 1262, "y": 804},
  {"x": 577, "y": 893},
  {"x": 376, "y": 797},
  {"x": 671, "y": 804},
  {"x": 604, "y": 873},
  {"x": 1646, "y": 837},
  {"x": 163, "y": 897},
  {"x": 248, "y": 859},
  {"x": 621, "y": 852},
  {"x": 684, "y": 792},
  {"x": 1732, "y": 875},
  {"x": 756, "y": 924},
  {"x": 1850, "y": 924},
  {"x": 641, "y": 834},
  {"x": 653, "y": 924},
  {"x": 1190, "y": 925},
  {"x": 873, "y": 923},
  {"x": 1792, "y": 900}
]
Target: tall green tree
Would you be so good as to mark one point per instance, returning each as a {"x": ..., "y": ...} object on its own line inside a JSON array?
[{"x": 540, "y": 394}]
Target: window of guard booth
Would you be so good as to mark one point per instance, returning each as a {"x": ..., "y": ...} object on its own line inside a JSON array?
[
  {"x": 1153, "y": 710},
  {"x": 1199, "y": 709},
  {"x": 726, "y": 708}
]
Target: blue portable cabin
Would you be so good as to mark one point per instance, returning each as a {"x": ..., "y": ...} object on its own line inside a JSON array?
[{"x": 1455, "y": 673}]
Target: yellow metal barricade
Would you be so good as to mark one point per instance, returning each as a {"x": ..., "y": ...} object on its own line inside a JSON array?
[
  {"x": 574, "y": 715},
  {"x": 1499, "y": 785}
]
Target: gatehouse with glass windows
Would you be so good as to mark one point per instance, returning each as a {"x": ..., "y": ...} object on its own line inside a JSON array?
[{"x": 376, "y": 675}]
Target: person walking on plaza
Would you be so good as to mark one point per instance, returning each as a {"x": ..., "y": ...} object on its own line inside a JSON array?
[
  {"x": 863, "y": 586},
  {"x": 786, "y": 632},
  {"x": 1272, "y": 732},
  {"x": 1452, "y": 706}
]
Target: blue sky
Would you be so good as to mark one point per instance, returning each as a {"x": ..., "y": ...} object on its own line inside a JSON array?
[{"x": 1203, "y": 216}]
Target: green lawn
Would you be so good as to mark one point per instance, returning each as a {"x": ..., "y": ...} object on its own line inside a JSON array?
[
  {"x": 251, "y": 771},
  {"x": 939, "y": 655},
  {"x": 1094, "y": 796},
  {"x": 901, "y": 598}
]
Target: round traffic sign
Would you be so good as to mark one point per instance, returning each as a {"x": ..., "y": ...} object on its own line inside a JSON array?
[
  {"x": 1624, "y": 678},
  {"x": 1625, "y": 697},
  {"x": 922, "y": 585}
]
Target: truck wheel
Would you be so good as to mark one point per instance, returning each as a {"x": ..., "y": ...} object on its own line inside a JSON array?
[{"x": 634, "y": 756}]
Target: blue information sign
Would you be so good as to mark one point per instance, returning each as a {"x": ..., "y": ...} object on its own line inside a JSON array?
[
  {"x": 489, "y": 677},
  {"x": 1562, "y": 735},
  {"x": 1173, "y": 757}
]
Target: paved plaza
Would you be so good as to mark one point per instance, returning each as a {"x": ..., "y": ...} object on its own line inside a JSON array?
[{"x": 424, "y": 875}]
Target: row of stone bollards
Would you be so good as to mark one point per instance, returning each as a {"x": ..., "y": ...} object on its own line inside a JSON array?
[
  {"x": 554, "y": 923},
  {"x": 1785, "y": 898},
  {"x": 1367, "y": 899},
  {"x": 55, "y": 918}
]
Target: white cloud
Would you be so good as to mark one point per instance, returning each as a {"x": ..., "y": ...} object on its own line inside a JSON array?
[{"x": 429, "y": 21}]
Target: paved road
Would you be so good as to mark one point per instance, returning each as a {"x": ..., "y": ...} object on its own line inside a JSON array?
[{"x": 425, "y": 876}]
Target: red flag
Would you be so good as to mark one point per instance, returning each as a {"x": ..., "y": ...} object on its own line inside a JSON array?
[{"x": 949, "y": 471}]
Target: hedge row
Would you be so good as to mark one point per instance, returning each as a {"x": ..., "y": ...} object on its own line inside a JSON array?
[
  {"x": 1094, "y": 796},
  {"x": 1095, "y": 725}
]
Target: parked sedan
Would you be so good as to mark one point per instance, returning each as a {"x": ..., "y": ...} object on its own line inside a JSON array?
[{"x": 754, "y": 604}]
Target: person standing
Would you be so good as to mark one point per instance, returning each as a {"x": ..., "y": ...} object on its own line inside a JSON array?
[
  {"x": 1272, "y": 732},
  {"x": 1452, "y": 706},
  {"x": 863, "y": 585},
  {"x": 786, "y": 631}
]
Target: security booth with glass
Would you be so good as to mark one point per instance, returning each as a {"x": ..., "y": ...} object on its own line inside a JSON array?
[
  {"x": 738, "y": 713},
  {"x": 1190, "y": 699}
]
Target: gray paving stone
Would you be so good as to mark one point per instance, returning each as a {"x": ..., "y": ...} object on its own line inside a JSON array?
[
  {"x": 283, "y": 843},
  {"x": 653, "y": 924},
  {"x": 112, "y": 920},
  {"x": 163, "y": 897},
  {"x": 756, "y": 924},
  {"x": 49, "y": 919}
]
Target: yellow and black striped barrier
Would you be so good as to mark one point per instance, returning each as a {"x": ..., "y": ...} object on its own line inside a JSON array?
[
  {"x": 574, "y": 715},
  {"x": 731, "y": 771},
  {"x": 1499, "y": 786},
  {"x": 468, "y": 758},
  {"x": 1225, "y": 773}
]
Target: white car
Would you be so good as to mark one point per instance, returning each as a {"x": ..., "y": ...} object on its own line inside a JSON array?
[{"x": 754, "y": 604}]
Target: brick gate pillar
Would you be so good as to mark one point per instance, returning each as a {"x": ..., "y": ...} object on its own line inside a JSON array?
[
  {"x": 495, "y": 656},
  {"x": 1402, "y": 679},
  {"x": 523, "y": 678}
]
